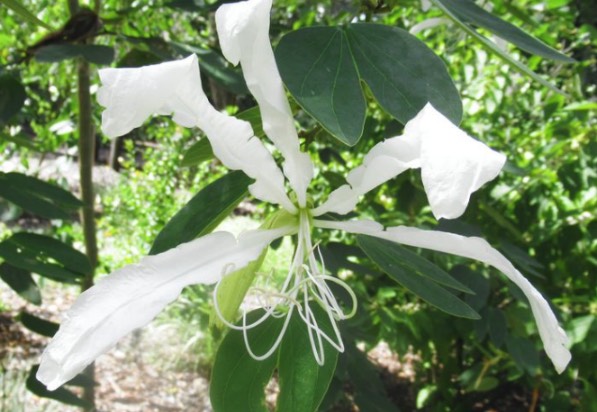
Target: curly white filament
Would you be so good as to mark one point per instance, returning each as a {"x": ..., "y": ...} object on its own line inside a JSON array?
[{"x": 306, "y": 282}]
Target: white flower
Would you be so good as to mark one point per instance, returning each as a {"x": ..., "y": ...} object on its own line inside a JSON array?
[{"x": 453, "y": 165}]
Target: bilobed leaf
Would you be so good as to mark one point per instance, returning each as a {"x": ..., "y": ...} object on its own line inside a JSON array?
[
  {"x": 238, "y": 381},
  {"x": 61, "y": 394},
  {"x": 493, "y": 48},
  {"x": 25, "y": 14},
  {"x": 409, "y": 275},
  {"x": 303, "y": 383},
  {"x": 197, "y": 153},
  {"x": 36, "y": 196},
  {"x": 38, "y": 325},
  {"x": 20, "y": 281},
  {"x": 468, "y": 12},
  {"x": 12, "y": 97},
  {"x": 93, "y": 53},
  {"x": 323, "y": 67},
  {"x": 203, "y": 212}
]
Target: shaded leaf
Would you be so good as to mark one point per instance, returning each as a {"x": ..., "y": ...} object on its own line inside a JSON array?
[
  {"x": 38, "y": 325},
  {"x": 203, "y": 212},
  {"x": 12, "y": 97},
  {"x": 323, "y": 68},
  {"x": 61, "y": 394},
  {"x": 20, "y": 281},
  {"x": 36, "y": 196},
  {"x": 409, "y": 275},
  {"x": 93, "y": 53},
  {"x": 523, "y": 353}
]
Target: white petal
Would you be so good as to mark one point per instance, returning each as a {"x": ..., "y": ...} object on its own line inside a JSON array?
[
  {"x": 453, "y": 164},
  {"x": 132, "y": 95},
  {"x": 132, "y": 296},
  {"x": 554, "y": 338},
  {"x": 243, "y": 30}
]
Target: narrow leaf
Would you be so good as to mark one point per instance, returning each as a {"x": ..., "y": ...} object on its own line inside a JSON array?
[
  {"x": 493, "y": 48},
  {"x": 18, "y": 8},
  {"x": 303, "y": 383},
  {"x": 238, "y": 381},
  {"x": 203, "y": 212},
  {"x": 61, "y": 394},
  {"x": 197, "y": 154},
  {"x": 383, "y": 254},
  {"x": 12, "y": 97},
  {"x": 21, "y": 282},
  {"x": 468, "y": 12},
  {"x": 38, "y": 325},
  {"x": 93, "y": 53}
]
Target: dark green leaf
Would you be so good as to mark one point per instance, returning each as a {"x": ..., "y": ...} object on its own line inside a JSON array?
[
  {"x": 197, "y": 153},
  {"x": 203, "y": 212},
  {"x": 498, "y": 327},
  {"x": 47, "y": 261},
  {"x": 37, "y": 196},
  {"x": 18, "y": 8},
  {"x": 12, "y": 97},
  {"x": 303, "y": 383},
  {"x": 61, "y": 394},
  {"x": 523, "y": 353},
  {"x": 21, "y": 282},
  {"x": 93, "y": 53},
  {"x": 52, "y": 248},
  {"x": 478, "y": 283},
  {"x": 369, "y": 393},
  {"x": 238, "y": 381},
  {"x": 38, "y": 325},
  {"x": 384, "y": 254},
  {"x": 323, "y": 68},
  {"x": 470, "y": 13}
]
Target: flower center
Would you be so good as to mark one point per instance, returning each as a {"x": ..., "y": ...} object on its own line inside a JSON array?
[{"x": 305, "y": 284}]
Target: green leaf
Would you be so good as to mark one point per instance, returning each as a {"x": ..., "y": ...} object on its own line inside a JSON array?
[
  {"x": 38, "y": 325},
  {"x": 493, "y": 48},
  {"x": 232, "y": 290},
  {"x": 21, "y": 282},
  {"x": 61, "y": 394},
  {"x": 215, "y": 66},
  {"x": 478, "y": 283},
  {"x": 12, "y": 97},
  {"x": 45, "y": 256},
  {"x": 323, "y": 67},
  {"x": 18, "y": 8},
  {"x": 468, "y": 12},
  {"x": 369, "y": 390},
  {"x": 238, "y": 381},
  {"x": 93, "y": 53},
  {"x": 39, "y": 197},
  {"x": 203, "y": 212},
  {"x": 253, "y": 116},
  {"x": 498, "y": 327},
  {"x": 409, "y": 274},
  {"x": 523, "y": 353},
  {"x": 197, "y": 153},
  {"x": 303, "y": 383}
]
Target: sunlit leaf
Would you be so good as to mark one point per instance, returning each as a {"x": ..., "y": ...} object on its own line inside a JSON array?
[{"x": 25, "y": 14}]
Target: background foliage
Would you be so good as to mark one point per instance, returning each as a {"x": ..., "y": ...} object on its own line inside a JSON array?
[{"x": 540, "y": 212}]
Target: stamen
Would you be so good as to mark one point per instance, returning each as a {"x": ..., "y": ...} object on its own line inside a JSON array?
[{"x": 306, "y": 282}]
